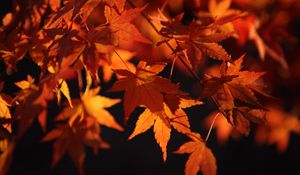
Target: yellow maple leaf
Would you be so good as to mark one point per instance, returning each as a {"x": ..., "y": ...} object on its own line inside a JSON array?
[
  {"x": 91, "y": 105},
  {"x": 94, "y": 106}
]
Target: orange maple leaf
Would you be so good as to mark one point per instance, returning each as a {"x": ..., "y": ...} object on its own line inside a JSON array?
[
  {"x": 121, "y": 26},
  {"x": 162, "y": 121},
  {"x": 71, "y": 140},
  {"x": 33, "y": 98},
  {"x": 91, "y": 105},
  {"x": 277, "y": 128},
  {"x": 143, "y": 87},
  {"x": 195, "y": 41},
  {"x": 221, "y": 11},
  {"x": 71, "y": 10},
  {"x": 25, "y": 22},
  {"x": 232, "y": 88},
  {"x": 235, "y": 84},
  {"x": 83, "y": 126},
  {"x": 201, "y": 157},
  {"x": 33, "y": 103},
  {"x": 251, "y": 28}
]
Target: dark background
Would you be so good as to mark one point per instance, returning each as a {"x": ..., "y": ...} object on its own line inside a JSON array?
[{"x": 142, "y": 155}]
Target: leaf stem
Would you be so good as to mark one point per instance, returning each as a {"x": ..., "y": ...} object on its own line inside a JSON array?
[
  {"x": 172, "y": 68},
  {"x": 211, "y": 126},
  {"x": 80, "y": 81}
]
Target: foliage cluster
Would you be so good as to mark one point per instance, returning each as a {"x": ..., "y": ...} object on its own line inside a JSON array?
[{"x": 231, "y": 48}]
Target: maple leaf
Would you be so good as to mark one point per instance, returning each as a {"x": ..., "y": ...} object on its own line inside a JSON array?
[
  {"x": 94, "y": 104},
  {"x": 143, "y": 87},
  {"x": 71, "y": 10},
  {"x": 240, "y": 84},
  {"x": 230, "y": 85},
  {"x": 33, "y": 104},
  {"x": 162, "y": 134},
  {"x": 251, "y": 28},
  {"x": 222, "y": 15},
  {"x": 97, "y": 47},
  {"x": 71, "y": 140},
  {"x": 91, "y": 105},
  {"x": 83, "y": 126},
  {"x": 91, "y": 47},
  {"x": 162, "y": 122},
  {"x": 62, "y": 44},
  {"x": 121, "y": 26},
  {"x": 32, "y": 99},
  {"x": 195, "y": 41},
  {"x": 240, "y": 118},
  {"x": 219, "y": 8},
  {"x": 20, "y": 27},
  {"x": 277, "y": 128},
  {"x": 201, "y": 157},
  {"x": 73, "y": 43}
]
